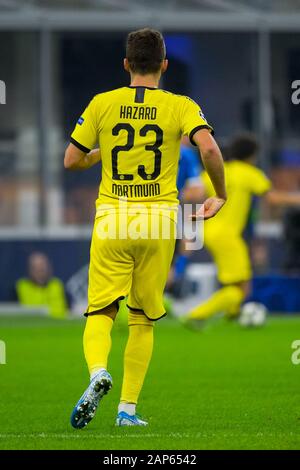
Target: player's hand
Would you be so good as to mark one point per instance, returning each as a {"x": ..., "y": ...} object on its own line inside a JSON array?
[{"x": 210, "y": 208}]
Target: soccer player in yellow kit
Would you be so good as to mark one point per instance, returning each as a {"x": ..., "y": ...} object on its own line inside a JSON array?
[
  {"x": 138, "y": 129},
  {"x": 223, "y": 235}
]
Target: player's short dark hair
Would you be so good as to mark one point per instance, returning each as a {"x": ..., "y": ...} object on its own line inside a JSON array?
[
  {"x": 145, "y": 51},
  {"x": 243, "y": 147}
]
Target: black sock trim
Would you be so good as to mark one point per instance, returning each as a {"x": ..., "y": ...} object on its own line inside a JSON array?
[
  {"x": 140, "y": 310},
  {"x": 99, "y": 310}
]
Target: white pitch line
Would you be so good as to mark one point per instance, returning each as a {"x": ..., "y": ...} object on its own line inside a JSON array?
[
  {"x": 91, "y": 436},
  {"x": 84, "y": 435}
]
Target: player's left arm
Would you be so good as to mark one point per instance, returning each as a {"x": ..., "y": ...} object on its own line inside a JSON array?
[
  {"x": 76, "y": 159},
  {"x": 213, "y": 163},
  {"x": 194, "y": 124}
]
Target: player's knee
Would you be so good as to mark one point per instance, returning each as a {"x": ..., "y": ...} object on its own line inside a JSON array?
[
  {"x": 110, "y": 311},
  {"x": 235, "y": 293},
  {"x": 245, "y": 287},
  {"x": 137, "y": 317}
]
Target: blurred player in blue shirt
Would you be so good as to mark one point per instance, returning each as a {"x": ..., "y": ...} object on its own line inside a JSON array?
[
  {"x": 188, "y": 177},
  {"x": 190, "y": 191}
]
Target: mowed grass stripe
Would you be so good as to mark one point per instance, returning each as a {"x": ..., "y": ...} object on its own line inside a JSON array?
[{"x": 224, "y": 388}]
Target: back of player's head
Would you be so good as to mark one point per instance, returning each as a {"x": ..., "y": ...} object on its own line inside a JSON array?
[
  {"x": 243, "y": 147},
  {"x": 145, "y": 51}
]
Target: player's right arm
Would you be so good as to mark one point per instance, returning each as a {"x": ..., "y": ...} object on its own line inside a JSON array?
[
  {"x": 79, "y": 154},
  {"x": 199, "y": 131},
  {"x": 76, "y": 159}
]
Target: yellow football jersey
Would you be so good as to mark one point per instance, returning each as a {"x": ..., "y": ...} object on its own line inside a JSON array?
[
  {"x": 243, "y": 181},
  {"x": 138, "y": 130}
]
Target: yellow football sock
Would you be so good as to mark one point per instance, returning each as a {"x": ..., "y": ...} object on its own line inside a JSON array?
[
  {"x": 228, "y": 300},
  {"x": 97, "y": 341},
  {"x": 137, "y": 356}
]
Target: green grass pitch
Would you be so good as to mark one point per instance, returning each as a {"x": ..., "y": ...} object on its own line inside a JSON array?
[{"x": 223, "y": 388}]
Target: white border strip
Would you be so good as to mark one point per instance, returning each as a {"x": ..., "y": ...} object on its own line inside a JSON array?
[
  {"x": 64, "y": 232},
  {"x": 197, "y": 20},
  {"x": 272, "y": 230},
  {"x": 14, "y": 308}
]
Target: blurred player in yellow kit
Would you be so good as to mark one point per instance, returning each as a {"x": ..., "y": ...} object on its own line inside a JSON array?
[
  {"x": 138, "y": 129},
  {"x": 223, "y": 235}
]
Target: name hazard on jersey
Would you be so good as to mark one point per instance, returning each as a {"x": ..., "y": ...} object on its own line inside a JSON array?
[
  {"x": 138, "y": 112},
  {"x": 136, "y": 190}
]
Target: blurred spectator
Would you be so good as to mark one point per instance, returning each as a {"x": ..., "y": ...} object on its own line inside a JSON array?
[
  {"x": 41, "y": 288},
  {"x": 292, "y": 238},
  {"x": 260, "y": 256}
]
